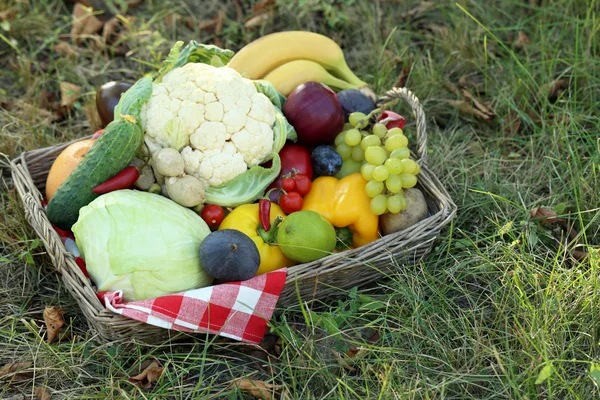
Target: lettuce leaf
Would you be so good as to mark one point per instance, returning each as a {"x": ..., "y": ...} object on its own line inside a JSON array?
[
  {"x": 193, "y": 52},
  {"x": 244, "y": 188}
]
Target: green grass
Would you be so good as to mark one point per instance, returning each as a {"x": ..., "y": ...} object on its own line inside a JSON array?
[{"x": 500, "y": 304}]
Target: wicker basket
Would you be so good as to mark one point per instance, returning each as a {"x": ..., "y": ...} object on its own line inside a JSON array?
[{"x": 318, "y": 279}]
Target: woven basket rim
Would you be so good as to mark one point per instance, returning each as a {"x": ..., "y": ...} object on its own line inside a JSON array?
[{"x": 102, "y": 319}]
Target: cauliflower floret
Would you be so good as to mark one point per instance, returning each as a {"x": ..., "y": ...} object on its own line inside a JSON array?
[
  {"x": 252, "y": 142},
  {"x": 217, "y": 166},
  {"x": 217, "y": 120}
]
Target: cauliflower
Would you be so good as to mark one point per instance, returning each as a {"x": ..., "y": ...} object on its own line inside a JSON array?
[{"x": 214, "y": 117}]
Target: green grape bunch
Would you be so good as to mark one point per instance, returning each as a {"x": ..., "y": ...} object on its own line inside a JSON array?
[{"x": 382, "y": 157}]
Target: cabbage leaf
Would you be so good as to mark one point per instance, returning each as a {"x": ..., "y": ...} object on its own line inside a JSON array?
[{"x": 141, "y": 243}]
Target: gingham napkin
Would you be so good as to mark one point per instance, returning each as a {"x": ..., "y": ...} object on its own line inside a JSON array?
[{"x": 237, "y": 310}]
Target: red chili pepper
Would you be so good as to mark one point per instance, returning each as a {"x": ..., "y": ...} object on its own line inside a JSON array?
[
  {"x": 291, "y": 202},
  {"x": 264, "y": 213},
  {"x": 122, "y": 180}
]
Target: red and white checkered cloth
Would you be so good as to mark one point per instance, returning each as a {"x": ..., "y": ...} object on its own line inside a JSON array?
[{"x": 237, "y": 310}]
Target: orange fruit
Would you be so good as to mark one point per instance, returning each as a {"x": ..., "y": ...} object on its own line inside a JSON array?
[{"x": 64, "y": 164}]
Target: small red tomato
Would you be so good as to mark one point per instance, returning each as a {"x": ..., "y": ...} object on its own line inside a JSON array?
[
  {"x": 288, "y": 184},
  {"x": 291, "y": 202},
  {"x": 213, "y": 215},
  {"x": 303, "y": 184},
  {"x": 97, "y": 134}
]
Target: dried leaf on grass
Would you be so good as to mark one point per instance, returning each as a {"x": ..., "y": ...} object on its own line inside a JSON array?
[
  {"x": 239, "y": 12},
  {"x": 259, "y": 389},
  {"x": 417, "y": 11},
  {"x": 262, "y": 12},
  {"x": 547, "y": 217},
  {"x": 521, "y": 41},
  {"x": 466, "y": 107},
  {"x": 114, "y": 28},
  {"x": 8, "y": 14},
  {"x": 16, "y": 371},
  {"x": 69, "y": 93},
  {"x": 471, "y": 105},
  {"x": 151, "y": 370},
  {"x": 512, "y": 123},
  {"x": 342, "y": 361},
  {"x": 554, "y": 89},
  {"x": 402, "y": 77},
  {"x": 41, "y": 393},
  {"x": 65, "y": 49},
  {"x": 54, "y": 319},
  {"x": 84, "y": 23},
  {"x": 133, "y": 3}
]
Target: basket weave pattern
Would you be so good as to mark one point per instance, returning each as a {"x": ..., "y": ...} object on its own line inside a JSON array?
[{"x": 318, "y": 279}]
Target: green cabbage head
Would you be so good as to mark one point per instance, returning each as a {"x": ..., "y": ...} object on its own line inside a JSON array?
[{"x": 141, "y": 243}]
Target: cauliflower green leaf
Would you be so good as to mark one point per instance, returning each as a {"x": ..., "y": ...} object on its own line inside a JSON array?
[
  {"x": 193, "y": 52},
  {"x": 244, "y": 188}
]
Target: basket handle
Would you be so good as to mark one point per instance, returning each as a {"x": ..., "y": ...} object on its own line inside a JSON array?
[{"x": 418, "y": 113}]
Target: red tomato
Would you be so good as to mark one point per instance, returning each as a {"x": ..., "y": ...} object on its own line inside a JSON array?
[
  {"x": 303, "y": 184},
  {"x": 98, "y": 133},
  {"x": 288, "y": 184},
  {"x": 295, "y": 159},
  {"x": 213, "y": 215},
  {"x": 291, "y": 202}
]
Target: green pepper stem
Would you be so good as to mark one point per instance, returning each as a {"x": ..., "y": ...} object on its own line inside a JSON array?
[{"x": 270, "y": 236}]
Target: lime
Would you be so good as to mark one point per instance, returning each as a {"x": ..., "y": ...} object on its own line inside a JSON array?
[{"x": 306, "y": 236}]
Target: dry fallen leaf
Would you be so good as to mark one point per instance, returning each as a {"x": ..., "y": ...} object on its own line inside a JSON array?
[
  {"x": 84, "y": 23},
  {"x": 65, "y": 49},
  {"x": 8, "y": 14},
  {"x": 342, "y": 361},
  {"x": 53, "y": 317},
  {"x": 133, "y": 3},
  {"x": 16, "y": 371},
  {"x": 467, "y": 108},
  {"x": 151, "y": 371},
  {"x": 554, "y": 89},
  {"x": 114, "y": 27},
  {"x": 239, "y": 13},
  {"x": 262, "y": 12},
  {"x": 41, "y": 393},
  {"x": 259, "y": 389},
  {"x": 512, "y": 123},
  {"x": 69, "y": 92},
  {"x": 420, "y": 9},
  {"x": 521, "y": 41},
  {"x": 545, "y": 215},
  {"x": 403, "y": 77},
  {"x": 548, "y": 217}
]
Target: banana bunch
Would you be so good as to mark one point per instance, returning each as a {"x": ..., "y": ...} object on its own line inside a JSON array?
[{"x": 288, "y": 59}]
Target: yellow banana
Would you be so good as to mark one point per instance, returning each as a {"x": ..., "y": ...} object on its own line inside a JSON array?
[
  {"x": 290, "y": 75},
  {"x": 259, "y": 57}
]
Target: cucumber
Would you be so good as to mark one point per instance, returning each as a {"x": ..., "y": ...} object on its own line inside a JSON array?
[{"x": 113, "y": 151}]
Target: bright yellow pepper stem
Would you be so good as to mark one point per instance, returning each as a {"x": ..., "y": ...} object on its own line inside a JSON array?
[{"x": 344, "y": 203}]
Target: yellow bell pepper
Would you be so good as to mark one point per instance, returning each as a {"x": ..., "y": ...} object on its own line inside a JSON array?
[
  {"x": 344, "y": 203},
  {"x": 245, "y": 219}
]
